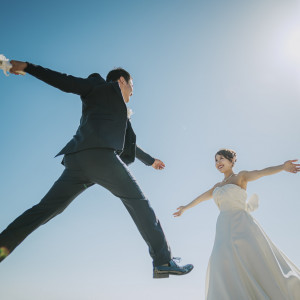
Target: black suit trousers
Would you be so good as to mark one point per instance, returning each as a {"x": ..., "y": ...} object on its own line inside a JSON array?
[{"x": 82, "y": 170}]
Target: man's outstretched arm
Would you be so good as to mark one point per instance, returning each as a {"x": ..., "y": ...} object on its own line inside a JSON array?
[
  {"x": 149, "y": 160},
  {"x": 64, "y": 82}
]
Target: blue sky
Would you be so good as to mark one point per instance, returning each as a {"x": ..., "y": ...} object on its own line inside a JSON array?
[{"x": 207, "y": 75}]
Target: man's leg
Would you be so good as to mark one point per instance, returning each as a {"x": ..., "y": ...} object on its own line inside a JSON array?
[
  {"x": 63, "y": 192},
  {"x": 104, "y": 167}
]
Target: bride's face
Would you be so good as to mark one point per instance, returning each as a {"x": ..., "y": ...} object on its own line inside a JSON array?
[{"x": 223, "y": 164}]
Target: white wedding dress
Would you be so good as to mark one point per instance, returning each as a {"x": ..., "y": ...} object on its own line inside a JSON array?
[{"x": 245, "y": 264}]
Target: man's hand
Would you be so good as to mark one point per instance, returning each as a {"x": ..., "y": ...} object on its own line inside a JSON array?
[
  {"x": 17, "y": 67},
  {"x": 158, "y": 165}
]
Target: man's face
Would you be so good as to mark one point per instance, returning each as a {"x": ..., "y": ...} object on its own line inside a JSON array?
[{"x": 126, "y": 88}]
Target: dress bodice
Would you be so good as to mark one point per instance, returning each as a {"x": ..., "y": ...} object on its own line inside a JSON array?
[{"x": 232, "y": 197}]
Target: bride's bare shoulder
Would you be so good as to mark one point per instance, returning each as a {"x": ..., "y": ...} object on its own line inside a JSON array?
[
  {"x": 241, "y": 179},
  {"x": 241, "y": 174}
]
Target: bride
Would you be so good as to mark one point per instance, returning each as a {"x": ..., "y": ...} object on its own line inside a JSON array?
[{"x": 244, "y": 264}]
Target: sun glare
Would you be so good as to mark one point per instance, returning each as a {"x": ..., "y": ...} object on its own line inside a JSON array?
[{"x": 292, "y": 45}]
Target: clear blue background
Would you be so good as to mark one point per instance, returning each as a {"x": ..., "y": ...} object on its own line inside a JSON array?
[{"x": 207, "y": 75}]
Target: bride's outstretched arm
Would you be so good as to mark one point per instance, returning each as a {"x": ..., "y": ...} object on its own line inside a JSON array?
[
  {"x": 288, "y": 166},
  {"x": 203, "y": 197}
]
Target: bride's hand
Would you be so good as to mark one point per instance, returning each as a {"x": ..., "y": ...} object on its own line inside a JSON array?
[
  {"x": 290, "y": 166},
  {"x": 180, "y": 211}
]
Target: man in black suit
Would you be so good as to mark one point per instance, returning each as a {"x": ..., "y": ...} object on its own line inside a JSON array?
[{"x": 97, "y": 154}]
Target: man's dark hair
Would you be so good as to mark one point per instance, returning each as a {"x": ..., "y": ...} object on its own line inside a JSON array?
[{"x": 115, "y": 74}]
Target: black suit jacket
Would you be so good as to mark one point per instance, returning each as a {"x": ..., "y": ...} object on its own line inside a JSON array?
[{"x": 104, "y": 122}]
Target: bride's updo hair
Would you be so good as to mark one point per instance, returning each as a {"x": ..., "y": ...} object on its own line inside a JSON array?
[{"x": 228, "y": 154}]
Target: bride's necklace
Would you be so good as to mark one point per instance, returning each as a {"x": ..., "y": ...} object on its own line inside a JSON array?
[{"x": 226, "y": 179}]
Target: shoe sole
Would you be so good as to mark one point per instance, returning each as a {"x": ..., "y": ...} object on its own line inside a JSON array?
[
  {"x": 161, "y": 275},
  {"x": 167, "y": 274}
]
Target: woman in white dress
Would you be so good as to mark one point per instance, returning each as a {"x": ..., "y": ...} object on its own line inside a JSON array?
[{"x": 245, "y": 264}]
